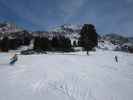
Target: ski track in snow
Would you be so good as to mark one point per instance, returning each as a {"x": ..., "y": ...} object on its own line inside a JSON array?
[{"x": 72, "y": 76}]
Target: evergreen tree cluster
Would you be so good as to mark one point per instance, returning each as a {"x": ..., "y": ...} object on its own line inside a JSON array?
[
  {"x": 8, "y": 44},
  {"x": 42, "y": 43},
  {"x": 57, "y": 43},
  {"x": 13, "y": 43},
  {"x": 88, "y": 40}
]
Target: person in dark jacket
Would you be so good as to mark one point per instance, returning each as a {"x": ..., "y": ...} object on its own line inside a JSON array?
[
  {"x": 13, "y": 59},
  {"x": 116, "y": 59}
]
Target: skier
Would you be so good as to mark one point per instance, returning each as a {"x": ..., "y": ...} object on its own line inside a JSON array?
[
  {"x": 13, "y": 59},
  {"x": 116, "y": 59}
]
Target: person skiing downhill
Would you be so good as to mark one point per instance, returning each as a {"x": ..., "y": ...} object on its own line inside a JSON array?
[
  {"x": 116, "y": 59},
  {"x": 14, "y": 59}
]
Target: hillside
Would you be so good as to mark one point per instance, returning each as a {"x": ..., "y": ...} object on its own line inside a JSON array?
[
  {"x": 11, "y": 31},
  {"x": 106, "y": 42},
  {"x": 72, "y": 76},
  {"x": 7, "y": 28}
]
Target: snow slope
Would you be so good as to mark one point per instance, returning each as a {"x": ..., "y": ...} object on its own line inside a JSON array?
[
  {"x": 72, "y": 76},
  {"x": 107, "y": 45}
]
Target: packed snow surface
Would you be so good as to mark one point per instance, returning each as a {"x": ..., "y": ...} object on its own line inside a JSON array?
[{"x": 68, "y": 76}]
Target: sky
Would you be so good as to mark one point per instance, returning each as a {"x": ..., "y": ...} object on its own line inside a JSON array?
[{"x": 109, "y": 16}]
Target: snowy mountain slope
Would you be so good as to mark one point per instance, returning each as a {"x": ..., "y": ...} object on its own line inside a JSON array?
[
  {"x": 111, "y": 41},
  {"x": 115, "y": 39},
  {"x": 72, "y": 76},
  {"x": 67, "y": 30},
  {"x": 106, "y": 42},
  {"x": 115, "y": 42},
  {"x": 7, "y": 28},
  {"x": 12, "y": 31},
  {"x": 106, "y": 45}
]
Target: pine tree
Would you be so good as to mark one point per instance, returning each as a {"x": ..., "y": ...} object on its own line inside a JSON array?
[
  {"x": 75, "y": 44},
  {"x": 55, "y": 43},
  {"x": 88, "y": 37}
]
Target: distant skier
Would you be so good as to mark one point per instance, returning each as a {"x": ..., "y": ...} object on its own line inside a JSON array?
[
  {"x": 13, "y": 59},
  {"x": 116, "y": 59}
]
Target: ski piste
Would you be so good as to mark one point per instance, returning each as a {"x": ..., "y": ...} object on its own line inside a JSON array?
[{"x": 68, "y": 76}]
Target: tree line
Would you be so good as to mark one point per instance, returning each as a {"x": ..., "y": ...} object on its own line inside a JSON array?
[
  {"x": 57, "y": 43},
  {"x": 88, "y": 40},
  {"x": 7, "y": 44}
]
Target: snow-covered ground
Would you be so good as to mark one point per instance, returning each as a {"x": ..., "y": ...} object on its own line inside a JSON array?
[{"x": 72, "y": 76}]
